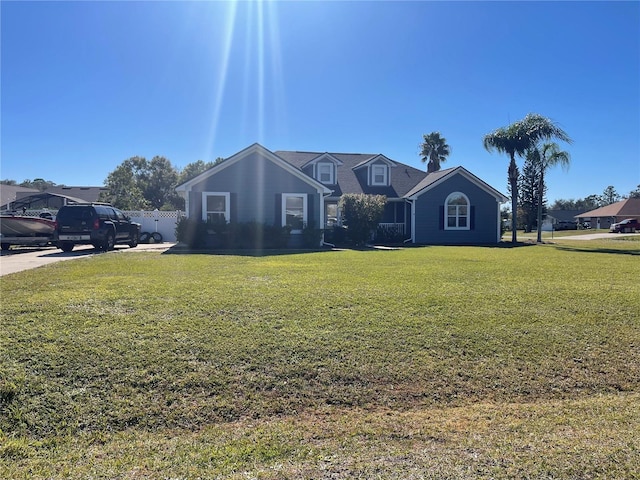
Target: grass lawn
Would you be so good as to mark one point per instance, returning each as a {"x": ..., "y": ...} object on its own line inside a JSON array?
[{"x": 434, "y": 362}]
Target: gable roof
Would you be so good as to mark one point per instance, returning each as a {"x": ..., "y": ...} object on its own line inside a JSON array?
[
  {"x": 8, "y": 193},
  {"x": 322, "y": 158},
  {"x": 436, "y": 178},
  {"x": 402, "y": 178},
  {"x": 265, "y": 153},
  {"x": 629, "y": 207}
]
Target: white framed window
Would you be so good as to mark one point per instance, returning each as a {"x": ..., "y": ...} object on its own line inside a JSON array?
[
  {"x": 457, "y": 210},
  {"x": 294, "y": 211},
  {"x": 331, "y": 215},
  {"x": 325, "y": 173},
  {"x": 379, "y": 175},
  {"x": 216, "y": 207}
]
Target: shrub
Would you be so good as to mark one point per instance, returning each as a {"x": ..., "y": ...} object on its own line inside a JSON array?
[
  {"x": 191, "y": 232},
  {"x": 311, "y": 237},
  {"x": 361, "y": 214},
  {"x": 222, "y": 235}
]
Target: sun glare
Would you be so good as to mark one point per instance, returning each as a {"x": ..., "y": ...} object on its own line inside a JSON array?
[{"x": 251, "y": 30}]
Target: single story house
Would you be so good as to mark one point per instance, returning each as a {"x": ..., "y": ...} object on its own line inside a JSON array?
[
  {"x": 603, "y": 217},
  {"x": 449, "y": 207}
]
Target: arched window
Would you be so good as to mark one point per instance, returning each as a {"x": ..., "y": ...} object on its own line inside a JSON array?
[{"x": 456, "y": 209}]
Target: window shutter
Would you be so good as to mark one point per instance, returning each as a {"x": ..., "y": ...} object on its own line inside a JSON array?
[
  {"x": 312, "y": 221},
  {"x": 233, "y": 208},
  {"x": 441, "y": 220},
  {"x": 472, "y": 220},
  {"x": 278, "y": 211}
]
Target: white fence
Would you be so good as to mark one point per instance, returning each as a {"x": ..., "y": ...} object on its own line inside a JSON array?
[{"x": 159, "y": 221}]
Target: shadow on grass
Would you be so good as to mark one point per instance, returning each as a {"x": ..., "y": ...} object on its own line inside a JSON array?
[
  {"x": 624, "y": 251},
  {"x": 242, "y": 252},
  {"x": 248, "y": 252}
]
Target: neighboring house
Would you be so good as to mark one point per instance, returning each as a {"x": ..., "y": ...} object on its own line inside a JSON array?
[
  {"x": 9, "y": 193},
  {"x": 556, "y": 216},
  {"x": 603, "y": 217},
  {"x": 88, "y": 194},
  {"x": 450, "y": 206}
]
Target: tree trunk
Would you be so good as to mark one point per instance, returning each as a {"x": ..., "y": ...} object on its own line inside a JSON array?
[
  {"x": 540, "y": 198},
  {"x": 513, "y": 182}
]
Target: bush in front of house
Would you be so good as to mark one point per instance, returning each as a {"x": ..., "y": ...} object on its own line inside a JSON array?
[
  {"x": 361, "y": 214},
  {"x": 221, "y": 235}
]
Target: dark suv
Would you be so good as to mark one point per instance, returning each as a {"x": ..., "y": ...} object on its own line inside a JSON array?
[{"x": 97, "y": 224}]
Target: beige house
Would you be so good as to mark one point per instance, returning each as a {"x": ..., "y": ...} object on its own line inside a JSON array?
[{"x": 603, "y": 217}]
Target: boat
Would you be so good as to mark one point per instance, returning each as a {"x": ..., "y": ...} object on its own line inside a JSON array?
[{"x": 24, "y": 230}]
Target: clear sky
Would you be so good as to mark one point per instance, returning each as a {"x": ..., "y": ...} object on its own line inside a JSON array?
[{"x": 86, "y": 85}]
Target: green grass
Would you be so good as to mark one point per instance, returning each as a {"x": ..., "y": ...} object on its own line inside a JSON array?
[{"x": 435, "y": 362}]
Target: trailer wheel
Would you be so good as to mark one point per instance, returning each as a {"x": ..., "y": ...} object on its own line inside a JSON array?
[{"x": 5, "y": 246}]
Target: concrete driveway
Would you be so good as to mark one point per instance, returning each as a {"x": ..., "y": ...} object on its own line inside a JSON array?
[
  {"x": 19, "y": 259},
  {"x": 598, "y": 236}
]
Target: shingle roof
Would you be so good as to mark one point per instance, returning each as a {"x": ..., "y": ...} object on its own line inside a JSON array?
[
  {"x": 403, "y": 177},
  {"x": 625, "y": 208}
]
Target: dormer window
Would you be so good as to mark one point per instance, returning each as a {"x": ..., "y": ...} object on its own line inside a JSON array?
[
  {"x": 379, "y": 175},
  {"x": 326, "y": 173}
]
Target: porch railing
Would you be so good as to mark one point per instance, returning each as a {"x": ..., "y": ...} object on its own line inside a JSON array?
[{"x": 393, "y": 227}]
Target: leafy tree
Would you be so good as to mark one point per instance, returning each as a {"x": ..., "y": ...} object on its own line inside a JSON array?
[
  {"x": 37, "y": 183},
  {"x": 609, "y": 196},
  {"x": 361, "y": 214},
  {"x": 516, "y": 139},
  {"x": 123, "y": 187},
  {"x": 585, "y": 204},
  {"x": 158, "y": 182},
  {"x": 635, "y": 193},
  {"x": 193, "y": 169},
  {"x": 528, "y": 186},
  {"x": 549, "y": 156},
  {"x": 434, "y": 150}
]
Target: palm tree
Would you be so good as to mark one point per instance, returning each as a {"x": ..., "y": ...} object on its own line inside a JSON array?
[
  {"x": 516, "y": 139},
  {"x": 550, "y": 156},
  {"x": 434, "y": 151}
]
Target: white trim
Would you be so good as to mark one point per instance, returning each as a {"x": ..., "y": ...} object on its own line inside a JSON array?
[
  {"x": 458, "y": 216},
  {"x": 413, "y": 220},
  {"x": 269, "y": 155},
  {"x": 332, "y": 172},
  {"x": 227, "y": 204},
  {"x": 385, "y": 180},
  {"x": 304, "y": 208},
  {"x": 323, "y": 157},
  {"x": 499, "y": 233},
  {"x": 369, "y": 161},
  {"x": 466, "y": 174}
]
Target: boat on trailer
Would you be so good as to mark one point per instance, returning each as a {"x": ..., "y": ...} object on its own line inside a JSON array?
[{"x": 24, "y": 230}]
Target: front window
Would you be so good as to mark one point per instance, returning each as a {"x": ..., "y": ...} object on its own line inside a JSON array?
[
  {"x": 379, "y": 175},
  {"x": 325, "y": 173},
  {"x": 294, "y": 211},
  {"x": 457, "y": 211},
  {"x": 215, "y": 207},
  {"x": 331, "y": 214}
]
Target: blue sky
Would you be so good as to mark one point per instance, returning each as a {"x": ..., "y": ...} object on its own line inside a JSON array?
[{"x": 86, "y": 85}]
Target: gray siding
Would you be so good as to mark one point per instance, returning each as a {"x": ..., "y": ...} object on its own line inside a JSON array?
[
  {"x": 429, "y": 226},
  {"x": 256, "y": 186}
]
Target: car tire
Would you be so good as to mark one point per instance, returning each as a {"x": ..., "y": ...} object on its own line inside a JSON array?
[
  {"x": 109, "y": 242},
  {"x": 66, "y": 246},
  {"x": 134, "y": 240}
]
